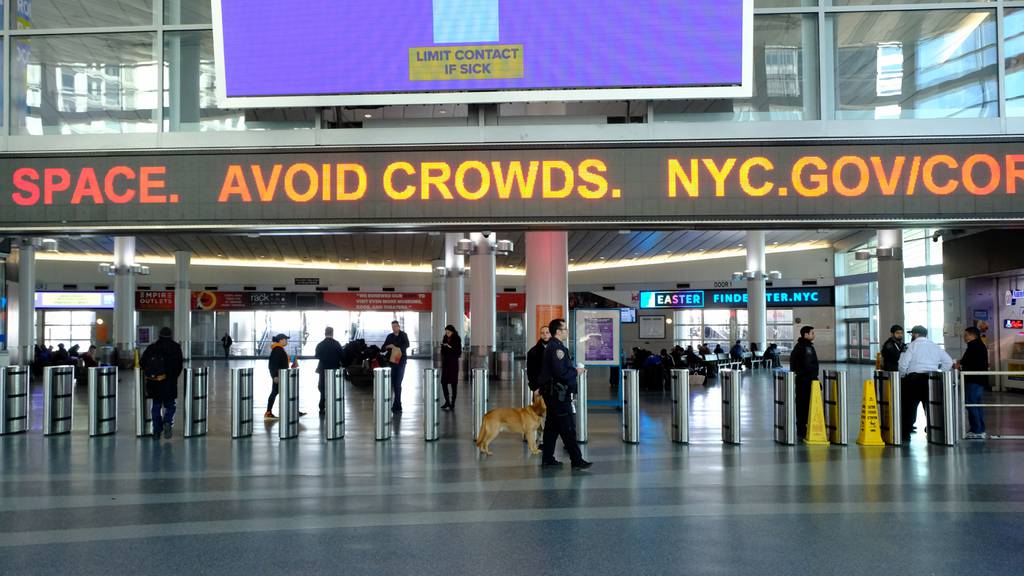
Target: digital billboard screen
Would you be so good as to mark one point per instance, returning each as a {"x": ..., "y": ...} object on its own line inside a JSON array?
[{"x": 444, "y": 51}]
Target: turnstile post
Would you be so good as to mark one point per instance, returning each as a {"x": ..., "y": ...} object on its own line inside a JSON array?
[
  {"x": 730, "y": 406},
  {"x": 837, "y": 421},
  {"x": 382, "y": 403},
  {"x": 334, "y": 400},
  {"x": 942, "y": 410},
  {"x": 431, "y": 404},
  {"x": 631, "y": 406},
  {"x": 288, "y": 388},
  {"x": 241, "y": 402},
  {"x": 888, "y": 390},
  {"x": 58, "y": 399},
  {"x": 197, "y": 389},
  {"x": 580, "y": 403},
  {"x": 479, "y": 382},
  {"x": 102, "y": 400},
  {"x": 526, "y": 395},
  {"x": 785, "y": 407},
  {"x": 14, "y": 392},
  {"x": 143, "y": 406},
  {"x": 680, "y": 406}
]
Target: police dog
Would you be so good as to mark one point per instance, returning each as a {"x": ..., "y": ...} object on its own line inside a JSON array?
[{"x": 525, "y": 421}]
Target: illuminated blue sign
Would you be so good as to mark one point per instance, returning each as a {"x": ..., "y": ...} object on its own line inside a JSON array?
[
  {"x": 672, "y": 299},
  {"x": 775, "y": 298}
]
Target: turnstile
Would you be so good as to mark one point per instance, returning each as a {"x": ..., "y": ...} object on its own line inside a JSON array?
[
  {"x": 888, "y": 389},
  {"x": 143, "y": 406},
  {"x": 334, "y": 404},
  {"x": 785, "y": 407},
  {"x": 14, "y": 390},
  {"x": 479, "y": 381},
  {"x": 526, "y": 395},
  {"x": 730, "y": 380},
  {"x": 680, "y": 406},
  {"x": 382, "y": 403},
  {"x": 58, "y": 399},
  {"x": 837, "y": 422},
  {"x": 288, "y": 389},
  {"x": 102, "y": 400},
  {"x": 631, "y": 406},
  {"x": 241, "y": 402},
  {"x": 580, "y": 404},
  {"x": 197, "y": 387},
  {"x": 941, "y": 409},
  {"x": 431, "y": 404}
]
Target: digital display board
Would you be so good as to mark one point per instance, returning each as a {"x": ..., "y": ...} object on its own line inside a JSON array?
[
  {"x": 350, "y": 52},
  {"x": 627, "y": 315},
  {"x": 1013, "y": 324},
  {"x": 807, "y": 296},
  {"x": 74, "y": 300}
]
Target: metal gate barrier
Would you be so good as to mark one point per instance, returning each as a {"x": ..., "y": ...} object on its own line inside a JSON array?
[
  {"x": 14, "y": 389},
  {"x": 836, "y": 417},
  {"x": 431, "y": 404},
  {"x": 102, "y": 400},
  {"x": 479, "y": 382},
  {"x": 241, "y": 402},
  {"x": 289, "y": 392},
  {"x": 888, "y": 389},
  {"x": 382, "y": 403},
  {"x": 58, "y": 399},
  {"x": 631, "y": 406},
  {"x": 197, "y": 388},
  {"x": 143, "y": 406},
  {"x": 680, "y": 406},
  {"x": 730, "y": 380},
  {"x": 526, "y": 395},
  {"x": 580, "y": 404},
  {"x": 963, "y": 420},
  {"x": 785, "y": 407},
  {"x": 941, "y": 409},
  {"x": 334, "y": 404}
]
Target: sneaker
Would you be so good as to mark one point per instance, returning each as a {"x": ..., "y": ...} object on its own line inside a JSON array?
[
  {"x": 301, "y": 414},
  {"x": 168, "y": 431},
  {"x": 582, "y": 465},
  {"x": 976, "y": 435},
  {"x": 268, "y": 415},
  {"x": 156, "y": 433}
]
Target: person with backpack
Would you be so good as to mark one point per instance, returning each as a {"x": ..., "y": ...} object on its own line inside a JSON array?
[{"x": 162, "y": 363}]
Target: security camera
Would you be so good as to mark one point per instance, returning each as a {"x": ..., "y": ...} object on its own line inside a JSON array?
[
  {"x": 937, "y": 235},
  {"x": 486, "y": 234}
]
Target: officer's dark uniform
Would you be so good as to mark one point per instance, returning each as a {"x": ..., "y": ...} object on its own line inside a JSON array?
[{"x": 558, "y": 368}]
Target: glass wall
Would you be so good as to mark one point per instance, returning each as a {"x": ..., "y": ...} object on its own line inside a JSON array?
[{"x": 724, "y": 327}]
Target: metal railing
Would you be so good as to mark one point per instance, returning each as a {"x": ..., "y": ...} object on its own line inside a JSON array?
[{"x": 962, "y": 413}]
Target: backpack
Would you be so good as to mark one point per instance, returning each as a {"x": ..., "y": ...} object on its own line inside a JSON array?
[{"x": 156, "y": 368}]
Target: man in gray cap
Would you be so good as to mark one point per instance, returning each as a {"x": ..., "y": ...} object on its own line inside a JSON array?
[{"x": 921, "y": 357}]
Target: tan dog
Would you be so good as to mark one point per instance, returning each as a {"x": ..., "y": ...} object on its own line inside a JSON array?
[{"x": 525, "y": 421}]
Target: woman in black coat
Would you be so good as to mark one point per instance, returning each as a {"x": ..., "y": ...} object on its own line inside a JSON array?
[{"x": 451, "y": 351}]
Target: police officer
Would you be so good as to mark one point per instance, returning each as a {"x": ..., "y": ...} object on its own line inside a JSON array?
[{"x": 558, "y": 384}]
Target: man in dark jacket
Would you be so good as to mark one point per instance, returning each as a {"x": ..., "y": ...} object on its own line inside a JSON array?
[
  {"x": 803, "y": 361},
  {"x": 535, "y": 359},
  {"x": 397, "y": 340},
  {"x": 736, "y": 352},
  {"x": 975, "y": 359},
  {"x": 162, "y": 363},
  {"x": 328, "y": 354},
  {"x": 892, "y": 349},
  {"x": 558, "y": 384}
]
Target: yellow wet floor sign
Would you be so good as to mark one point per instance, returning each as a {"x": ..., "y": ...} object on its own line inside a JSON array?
[
  {"x": 816, "y": 435},
  {"x": 870, "y": 427}
]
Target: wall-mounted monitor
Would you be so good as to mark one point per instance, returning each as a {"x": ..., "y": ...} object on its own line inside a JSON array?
[{"x": 627, "y": 315}]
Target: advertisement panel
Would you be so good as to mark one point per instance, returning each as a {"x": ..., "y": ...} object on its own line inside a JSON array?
[
  {"x": 347, "y": 52},
  {"x": 74, "y": 300}
]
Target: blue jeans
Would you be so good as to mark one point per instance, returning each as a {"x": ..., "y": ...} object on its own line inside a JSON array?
[
  {"x": 166, "y": 415},
  {"x": 975, "y": 416}
]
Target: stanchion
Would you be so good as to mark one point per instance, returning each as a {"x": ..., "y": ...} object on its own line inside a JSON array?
[
  {"x": 102, "y": 400},
  {"x": 431, "y": 404},
  {"x": 730, "y": 406},
  {"x": 837, "y": 422},
  {"x": 58, "y": 399},
  {"x": 143, "y": 406},
  {"x": 334, "y": 400},
  {"x": 681, "y": 406},
  {"x": 14, "y": 389},
  {"x": 785, "y": 407},
  {"x": 479, "y": 382},
  {"x": 582, "y": 420},
  {"x": 289, "y": 392},
  {"x": 241, "y": 402},
  {"x": 888, "y": 389},
  {"x": 197, "y": 386},
  {"x": 631, "y": 406},
  {"x": 382, "y": 403},
  {"x": 526, "y": 395},
  {"x": 942, "y": 412}
]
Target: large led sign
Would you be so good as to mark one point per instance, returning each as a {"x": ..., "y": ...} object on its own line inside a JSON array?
[
  {"x": 775, "y": 297},
  {"x": 351, "y": 52},
  {"x": 74, "y": 300}
]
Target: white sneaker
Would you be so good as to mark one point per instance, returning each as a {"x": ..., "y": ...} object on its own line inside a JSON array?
[{"x": 976, "y": 435}]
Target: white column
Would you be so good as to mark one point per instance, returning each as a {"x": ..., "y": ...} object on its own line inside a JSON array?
[
  {"x": 890, "y": 282},
  {"x": 26, "y": 302},
  {"x": 438, "y": 316},
  {"x": 757, "y": 304},
  {"x": 455, "y": 291},
  {"x": 482, "y": 299},
  {"x": 547, "y": 280},
  {"x": 124, "y": 297},
  {"x": 183, "y": 302}
]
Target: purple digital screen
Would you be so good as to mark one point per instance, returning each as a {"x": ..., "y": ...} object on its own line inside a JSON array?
[{"x": 343, "y": 47}]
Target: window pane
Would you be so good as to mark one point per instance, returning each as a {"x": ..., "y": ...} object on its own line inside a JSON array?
[
  {"x": 190, "y": 92},
  {"x": 785, "y": 77},
  {"x": 84, "y": 84},
  {"x": 919, "y": 64},
  {"x": 187, "y": 12},
  {"x": 80, "y": 13},
  {"x": 716, "y": 317},
  {"x": 784, "y": 3},
  {"x": 1013, "y": 20},
  {"x": 876, "y": 2},
  {"x": 83, "y": 318},
  {"x": 915, "y": 289},
  {"x": 58, "y": 317},
  {"x": 914, "y": 254}
]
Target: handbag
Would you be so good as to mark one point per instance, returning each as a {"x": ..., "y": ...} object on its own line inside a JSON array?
[{"x": 395, "y": 356}]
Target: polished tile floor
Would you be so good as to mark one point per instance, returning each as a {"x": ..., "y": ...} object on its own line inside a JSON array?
[{"x": 212, "y": 505}]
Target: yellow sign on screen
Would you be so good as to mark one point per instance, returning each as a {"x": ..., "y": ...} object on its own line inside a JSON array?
[{"x": 485, "y": 62}]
